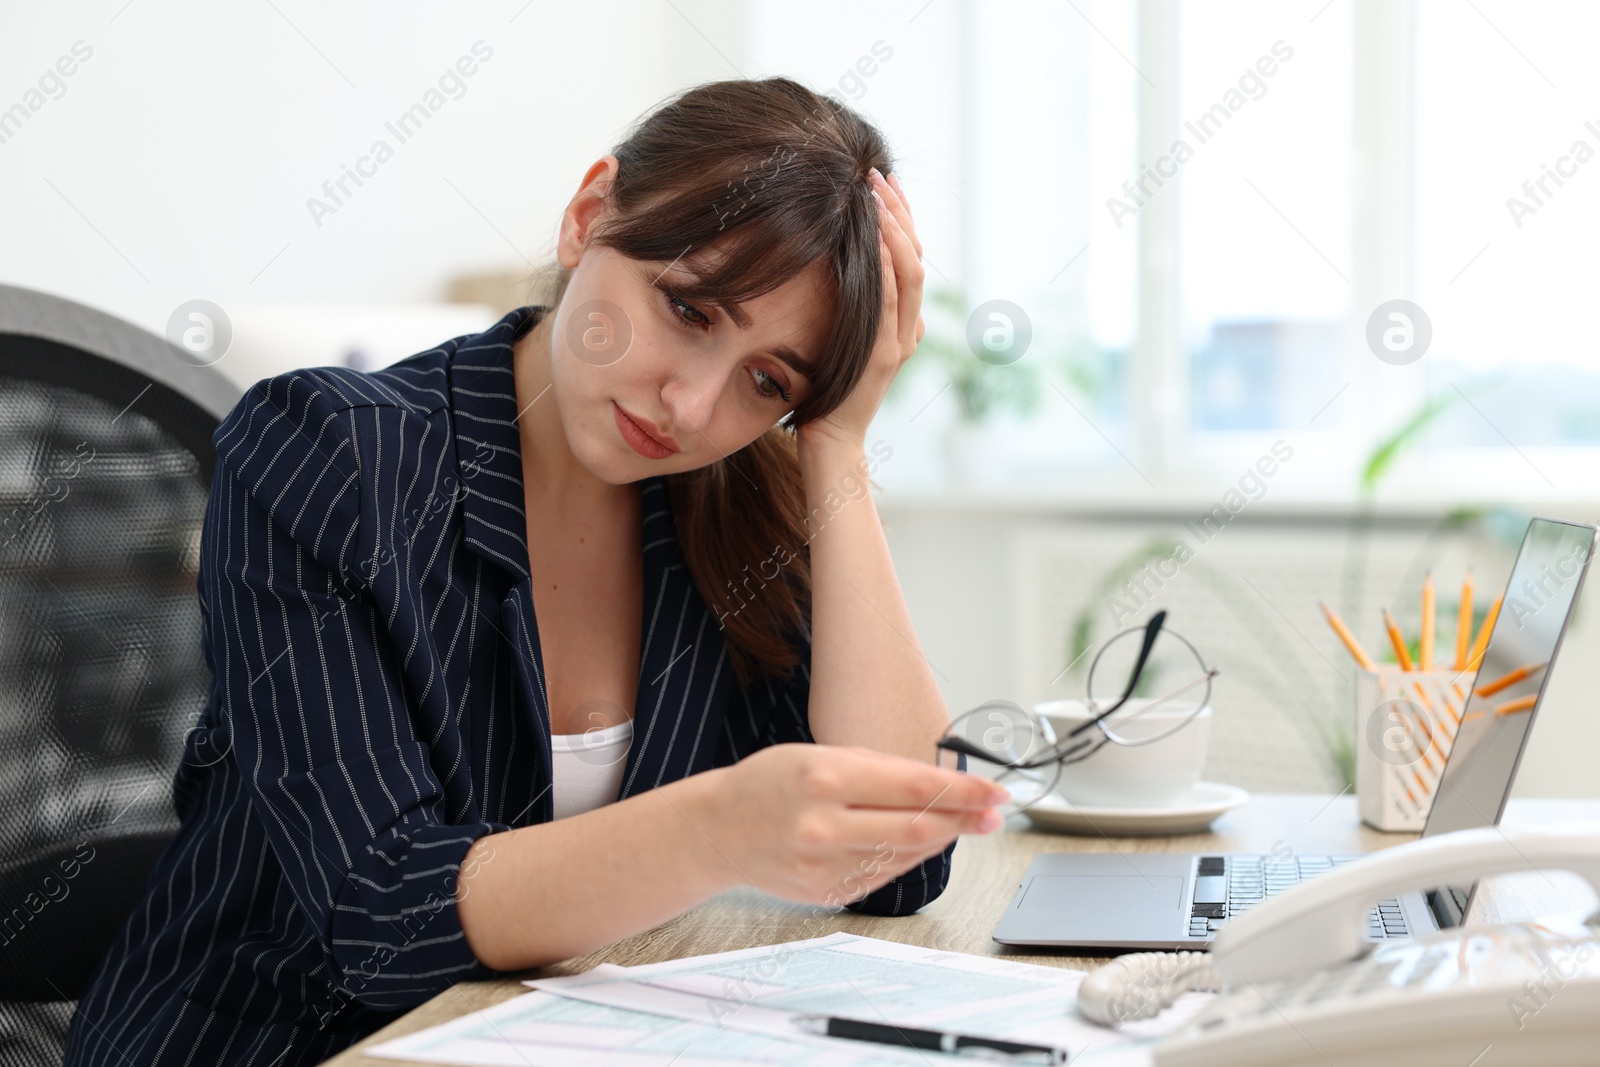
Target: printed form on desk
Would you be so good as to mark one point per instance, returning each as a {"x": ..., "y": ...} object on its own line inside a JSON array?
[{"x": 738, "y": 1007}]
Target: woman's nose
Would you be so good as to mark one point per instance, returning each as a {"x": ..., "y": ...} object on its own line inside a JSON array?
[{"x": 691, "y": 398}]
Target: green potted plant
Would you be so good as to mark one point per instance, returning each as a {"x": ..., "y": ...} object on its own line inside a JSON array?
[{"x": 983, "y": 390}]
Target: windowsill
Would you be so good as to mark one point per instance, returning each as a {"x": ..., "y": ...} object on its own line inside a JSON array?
[{"x": 1304, "y": 493}]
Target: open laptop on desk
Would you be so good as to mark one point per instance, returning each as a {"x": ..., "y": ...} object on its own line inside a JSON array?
[{"x": 1119, "y": 901}]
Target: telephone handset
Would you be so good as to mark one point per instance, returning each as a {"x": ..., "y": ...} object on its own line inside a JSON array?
[{"x": 1302, "y": 985}]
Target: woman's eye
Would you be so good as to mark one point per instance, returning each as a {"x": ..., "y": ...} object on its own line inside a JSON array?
[
  {"x": 762, "y": 384},
  {"x": 776, "y": 390},
  {"x": 679, "y": 307}
]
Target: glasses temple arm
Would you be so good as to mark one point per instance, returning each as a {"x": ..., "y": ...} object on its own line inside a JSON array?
[
  {"x": 1211, "y": 672},
  {"x": 961, "y": 744},
  {"x": 1152, "y": 630}
]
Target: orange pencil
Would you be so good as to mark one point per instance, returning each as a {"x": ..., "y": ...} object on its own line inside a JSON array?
[
  {"x": 1425, "y": 641},
  {"x": 1509, "y": 679},
  {"x": 1427, "y": 731},
  {"x": 1348, "y": 638},
  {"x": 1464, "y": 622},
  {"x": 1399, "y": 642},
  {"x": 1511, "y": 707},
  {"x": 1455, "y": 716},
  {"x": 1481, "y": 643}
]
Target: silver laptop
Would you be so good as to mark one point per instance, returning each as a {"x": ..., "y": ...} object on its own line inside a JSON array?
[{"x": 1116, "y": 901}]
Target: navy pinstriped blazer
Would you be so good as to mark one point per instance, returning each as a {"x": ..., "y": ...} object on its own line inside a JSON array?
[{"x": 377, "y": 704}]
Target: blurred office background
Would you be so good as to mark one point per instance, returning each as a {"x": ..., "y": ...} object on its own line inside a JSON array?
[{"x": 1189, "y": 310}]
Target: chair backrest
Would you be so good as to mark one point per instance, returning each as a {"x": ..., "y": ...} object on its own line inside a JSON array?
[{"x": 105, "y": 467}]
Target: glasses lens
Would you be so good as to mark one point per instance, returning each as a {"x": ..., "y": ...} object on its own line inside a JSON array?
[
  {"x": 998, "y": 738},
  {"x": 1172, "y": 688}
]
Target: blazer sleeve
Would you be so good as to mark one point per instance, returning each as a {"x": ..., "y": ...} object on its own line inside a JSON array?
[
  {"x": 772, "y": 712},
  {"x": 313, "y": 694}
]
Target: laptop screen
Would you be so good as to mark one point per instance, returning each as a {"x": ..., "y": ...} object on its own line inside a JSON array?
[{"x": 1504, "y": 697}]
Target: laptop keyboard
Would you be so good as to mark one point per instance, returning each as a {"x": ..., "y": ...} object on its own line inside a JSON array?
[{"x": 1226, "y": 887}]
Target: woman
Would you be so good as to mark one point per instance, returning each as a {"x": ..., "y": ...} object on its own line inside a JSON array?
[{"x": 537, "y": 639}]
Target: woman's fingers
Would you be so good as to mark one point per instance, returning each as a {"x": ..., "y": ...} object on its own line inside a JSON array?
[
  {"x": 904, "y": 832},
  {"x": 899, "y": 221},
  {"x": 901, "y": 209},
  {"x": 891, "y": 326},
  {"x": 907, "y": 274},
  {"x": 873, "y": 779},
  {"x": 894, "y": 180}
]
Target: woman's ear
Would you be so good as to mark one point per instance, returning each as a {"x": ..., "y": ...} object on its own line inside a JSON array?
[{"x": 585, "y": 209}]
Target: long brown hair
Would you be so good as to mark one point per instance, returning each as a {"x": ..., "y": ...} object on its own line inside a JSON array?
[{"x": 771, "y": 178}]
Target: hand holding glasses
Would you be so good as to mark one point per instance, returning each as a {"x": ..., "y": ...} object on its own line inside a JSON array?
[{"x": 1020, "y": 747}]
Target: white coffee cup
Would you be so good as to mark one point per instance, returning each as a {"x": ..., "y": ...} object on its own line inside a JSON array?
[{"x": 1151, "y": 775}]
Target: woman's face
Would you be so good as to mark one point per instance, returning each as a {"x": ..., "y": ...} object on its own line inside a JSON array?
[{"x": 646, "y": 382}]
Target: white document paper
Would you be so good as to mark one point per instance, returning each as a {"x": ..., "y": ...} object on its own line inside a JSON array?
[
  {"x": 736, "y": 1007},
  {"x": 544, "y": 1030},
  {"x": 758, "y": 991}
]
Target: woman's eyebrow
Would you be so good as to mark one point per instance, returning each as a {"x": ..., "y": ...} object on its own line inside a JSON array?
[
  {"x": 779, "y": 351},
  {"x": 735, "y": 310},
  {"x": 787, "y": 354}
]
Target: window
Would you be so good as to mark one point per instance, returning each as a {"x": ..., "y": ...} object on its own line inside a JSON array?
[
  {"x": 1508, "y": 190},
  {"x": 1264, "y": 216},
  {"x": 1200, "y": 206}
]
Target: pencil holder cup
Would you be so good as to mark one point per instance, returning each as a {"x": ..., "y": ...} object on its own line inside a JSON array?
[{"x": 1405, "y": 724}]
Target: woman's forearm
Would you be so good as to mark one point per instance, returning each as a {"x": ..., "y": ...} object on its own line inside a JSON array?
[
  {"x": 870, "y": 683},
  {"x": 548, "y": 892}
]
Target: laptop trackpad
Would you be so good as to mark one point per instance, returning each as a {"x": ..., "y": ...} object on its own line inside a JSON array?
[{"x": 1107, "y": 906}]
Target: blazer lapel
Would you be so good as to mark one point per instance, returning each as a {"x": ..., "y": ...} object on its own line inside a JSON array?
[{"x": 488, "y": 483}]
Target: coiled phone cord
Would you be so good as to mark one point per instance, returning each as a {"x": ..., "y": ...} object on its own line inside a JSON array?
[{"x": 1141, "y": 985}]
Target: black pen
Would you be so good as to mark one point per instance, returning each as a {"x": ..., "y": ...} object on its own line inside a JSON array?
[{"x": 938, "y": 1040}]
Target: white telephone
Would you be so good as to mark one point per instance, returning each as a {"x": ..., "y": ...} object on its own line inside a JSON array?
[{"x": 1302, "y": 986}]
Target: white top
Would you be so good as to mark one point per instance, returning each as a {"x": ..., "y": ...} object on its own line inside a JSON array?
[{"x": 586, "y": 769}]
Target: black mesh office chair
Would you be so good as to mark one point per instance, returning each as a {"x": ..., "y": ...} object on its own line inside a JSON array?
[{"x": 105, "y": 466}]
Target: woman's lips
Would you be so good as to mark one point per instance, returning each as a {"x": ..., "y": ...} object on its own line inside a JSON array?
[{"x": 638, "y": 439}]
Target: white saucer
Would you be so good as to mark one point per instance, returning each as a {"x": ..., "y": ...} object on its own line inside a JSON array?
[{"x": 1194, "y": 810}]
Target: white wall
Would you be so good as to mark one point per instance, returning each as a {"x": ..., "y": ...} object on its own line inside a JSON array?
[{"x": 179, "y": 160}]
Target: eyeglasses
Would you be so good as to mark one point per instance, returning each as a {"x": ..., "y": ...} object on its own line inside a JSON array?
[{"x": 1020, "y": 747}]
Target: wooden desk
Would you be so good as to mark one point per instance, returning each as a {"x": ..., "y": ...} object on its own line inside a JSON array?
[{"x": 986, "y": 872}]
